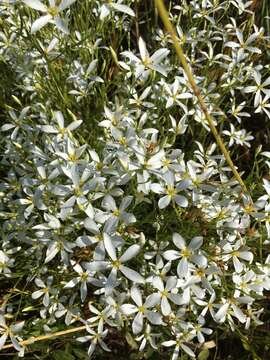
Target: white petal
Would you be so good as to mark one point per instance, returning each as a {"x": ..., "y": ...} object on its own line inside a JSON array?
[
  {"x": 3, "y": 339},
  {"x": 83, "y": 241},
  {"x": 179, "y": 241},
  {"x": 125, "y": 203},
  {"x": 123, "y": 8},
  {"x": 171, "y": 283},
  {"x": 15, "y": 343},
  {"x": 109, "y": 203},
  {"x": 37, "y": 294},
  {"x": 131, "y": 274},
  {"x": 17, "y": 327},
  {"x": 137, "y": 324},
  {"x": 157, "y": 188},
  {"x": 152, "y": 300},
  {"x": 39, "y": 23},
  {"x": 128, "y": 309},
  {"x": 90, "y": 225},
  {"x": 165, "y": 306},
  {"x": 143, "y": 51},
  {"x": 169, "y": 343},
  {"x": 72, "y": 283},
  {"x": 36, "y": 4},
  {"x": 96, "y": 265},
  {"x": 51, "y": 252},
  {"x": 246, "y": 255},
  {"x": 109, "y": 246},
  {"x": 7, "y": 127},
  {"x": 181, "y": 200},
  {"x": 238, "y": 313},
  {"x": 159, "y": 55},
  {"x": 74, "y": 125},
  {"x": 164, "y": 201},
  {"x": 49, "y": 129},
  {"x": 175, "y": 298},
  {"x": 61, "y": 24},
  {"x": 158, "y": 283},
  {"x": 222, "y": 312},
  {"x": 196, "y": 243},
  {"x": 182, "y": 268},
  {"x": 154, "y": 317},
  {"x": 65, "y": 4},
  {"x": 131, "y": 252},
  {"x": 111, "y": 282},
  {"x": 237, "y": 264},
  {"x": 188, "y": 350},
  {"x": 171, "y": 255},
  {"x": 136, "y": 296}
]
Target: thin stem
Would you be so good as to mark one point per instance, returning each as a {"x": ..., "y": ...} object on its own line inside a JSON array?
[
  {"x": 187, "y": 69},
  {"x": 45, "y": 337}
]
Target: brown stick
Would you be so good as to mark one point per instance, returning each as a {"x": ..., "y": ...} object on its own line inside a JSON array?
[{"x": 45, "y": 337}]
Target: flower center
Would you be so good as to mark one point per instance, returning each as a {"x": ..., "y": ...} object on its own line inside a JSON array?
[
  {"x": 171, "y": 191},
  {"x": 185, "y": 253},
  {"x": 116, "y": 212},
  {"x": 53, "y": 10},
  {"x": 116, "y": 264}
]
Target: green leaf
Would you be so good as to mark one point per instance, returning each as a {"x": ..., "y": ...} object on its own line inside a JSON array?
[
  {"x": 62, "y": 355},
  {"x": 204, "y": 354},
  {"x": 131, "y": 342},
  {"x": 80, "y": 354}
]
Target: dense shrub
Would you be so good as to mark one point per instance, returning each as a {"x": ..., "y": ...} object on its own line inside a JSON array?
[{"x": 119, "y": 212}]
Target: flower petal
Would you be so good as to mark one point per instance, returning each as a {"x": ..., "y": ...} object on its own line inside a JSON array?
[
  {"x": 131, "y": 252},
  {"x": 36, "y": 4},
  {"x": 136, "y": 295},
  {"x": 109, "y": 246},
  {"x": 137, "y": 324},
  {"x": 39, "y": 23},
  {"x": 131, "y": 274},
  {"x": 179, "y": 241}
]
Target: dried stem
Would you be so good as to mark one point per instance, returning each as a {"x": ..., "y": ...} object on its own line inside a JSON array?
[
  {"x": 46, "y": 337},
  {"x": 187, "y": 69}
]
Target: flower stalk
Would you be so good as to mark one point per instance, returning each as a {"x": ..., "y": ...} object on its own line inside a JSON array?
[
  {"x": 32, "y": 340},
  {"x": 187, "y": 69}
]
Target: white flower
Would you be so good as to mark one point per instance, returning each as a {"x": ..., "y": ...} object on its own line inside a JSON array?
[
  {"x": 258, "y": 88},
  {"x": 116, "y": 6},
  {"x": 148, "y": 336},
  {"x": 5, "y": 263},
  {"x": 176, "y": 94},
  {"x": 142, "y": 310},
  {"x": 264, "y": 105},
  {"x": 200, "y": 330},
  {"x": 95, "y": 337},
  {"x": 180, "y": 344},
  {"x": 147, "y": 63},
  {"x": 187, "y": 253},
  {"x": 227, "y": 309},
  {"x": 83, "y": 278},
  {"x": 244, "y": 45},
  {"x": 165, "y": 293},
  {"x": 240, "y": 137},
  {"x": 236, "y": 252},
  {"x": 52, "y": 14},
  {"x": 171, "y": 190},
  {"x": 12, "y": 332},
  {"x": 60, "y": 129},
  {"x": 116, "y": 264},
  {"x": 44, "y": 292}
]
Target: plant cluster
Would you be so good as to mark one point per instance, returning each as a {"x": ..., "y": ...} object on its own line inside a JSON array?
[{"x": 118, "y": 210}]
